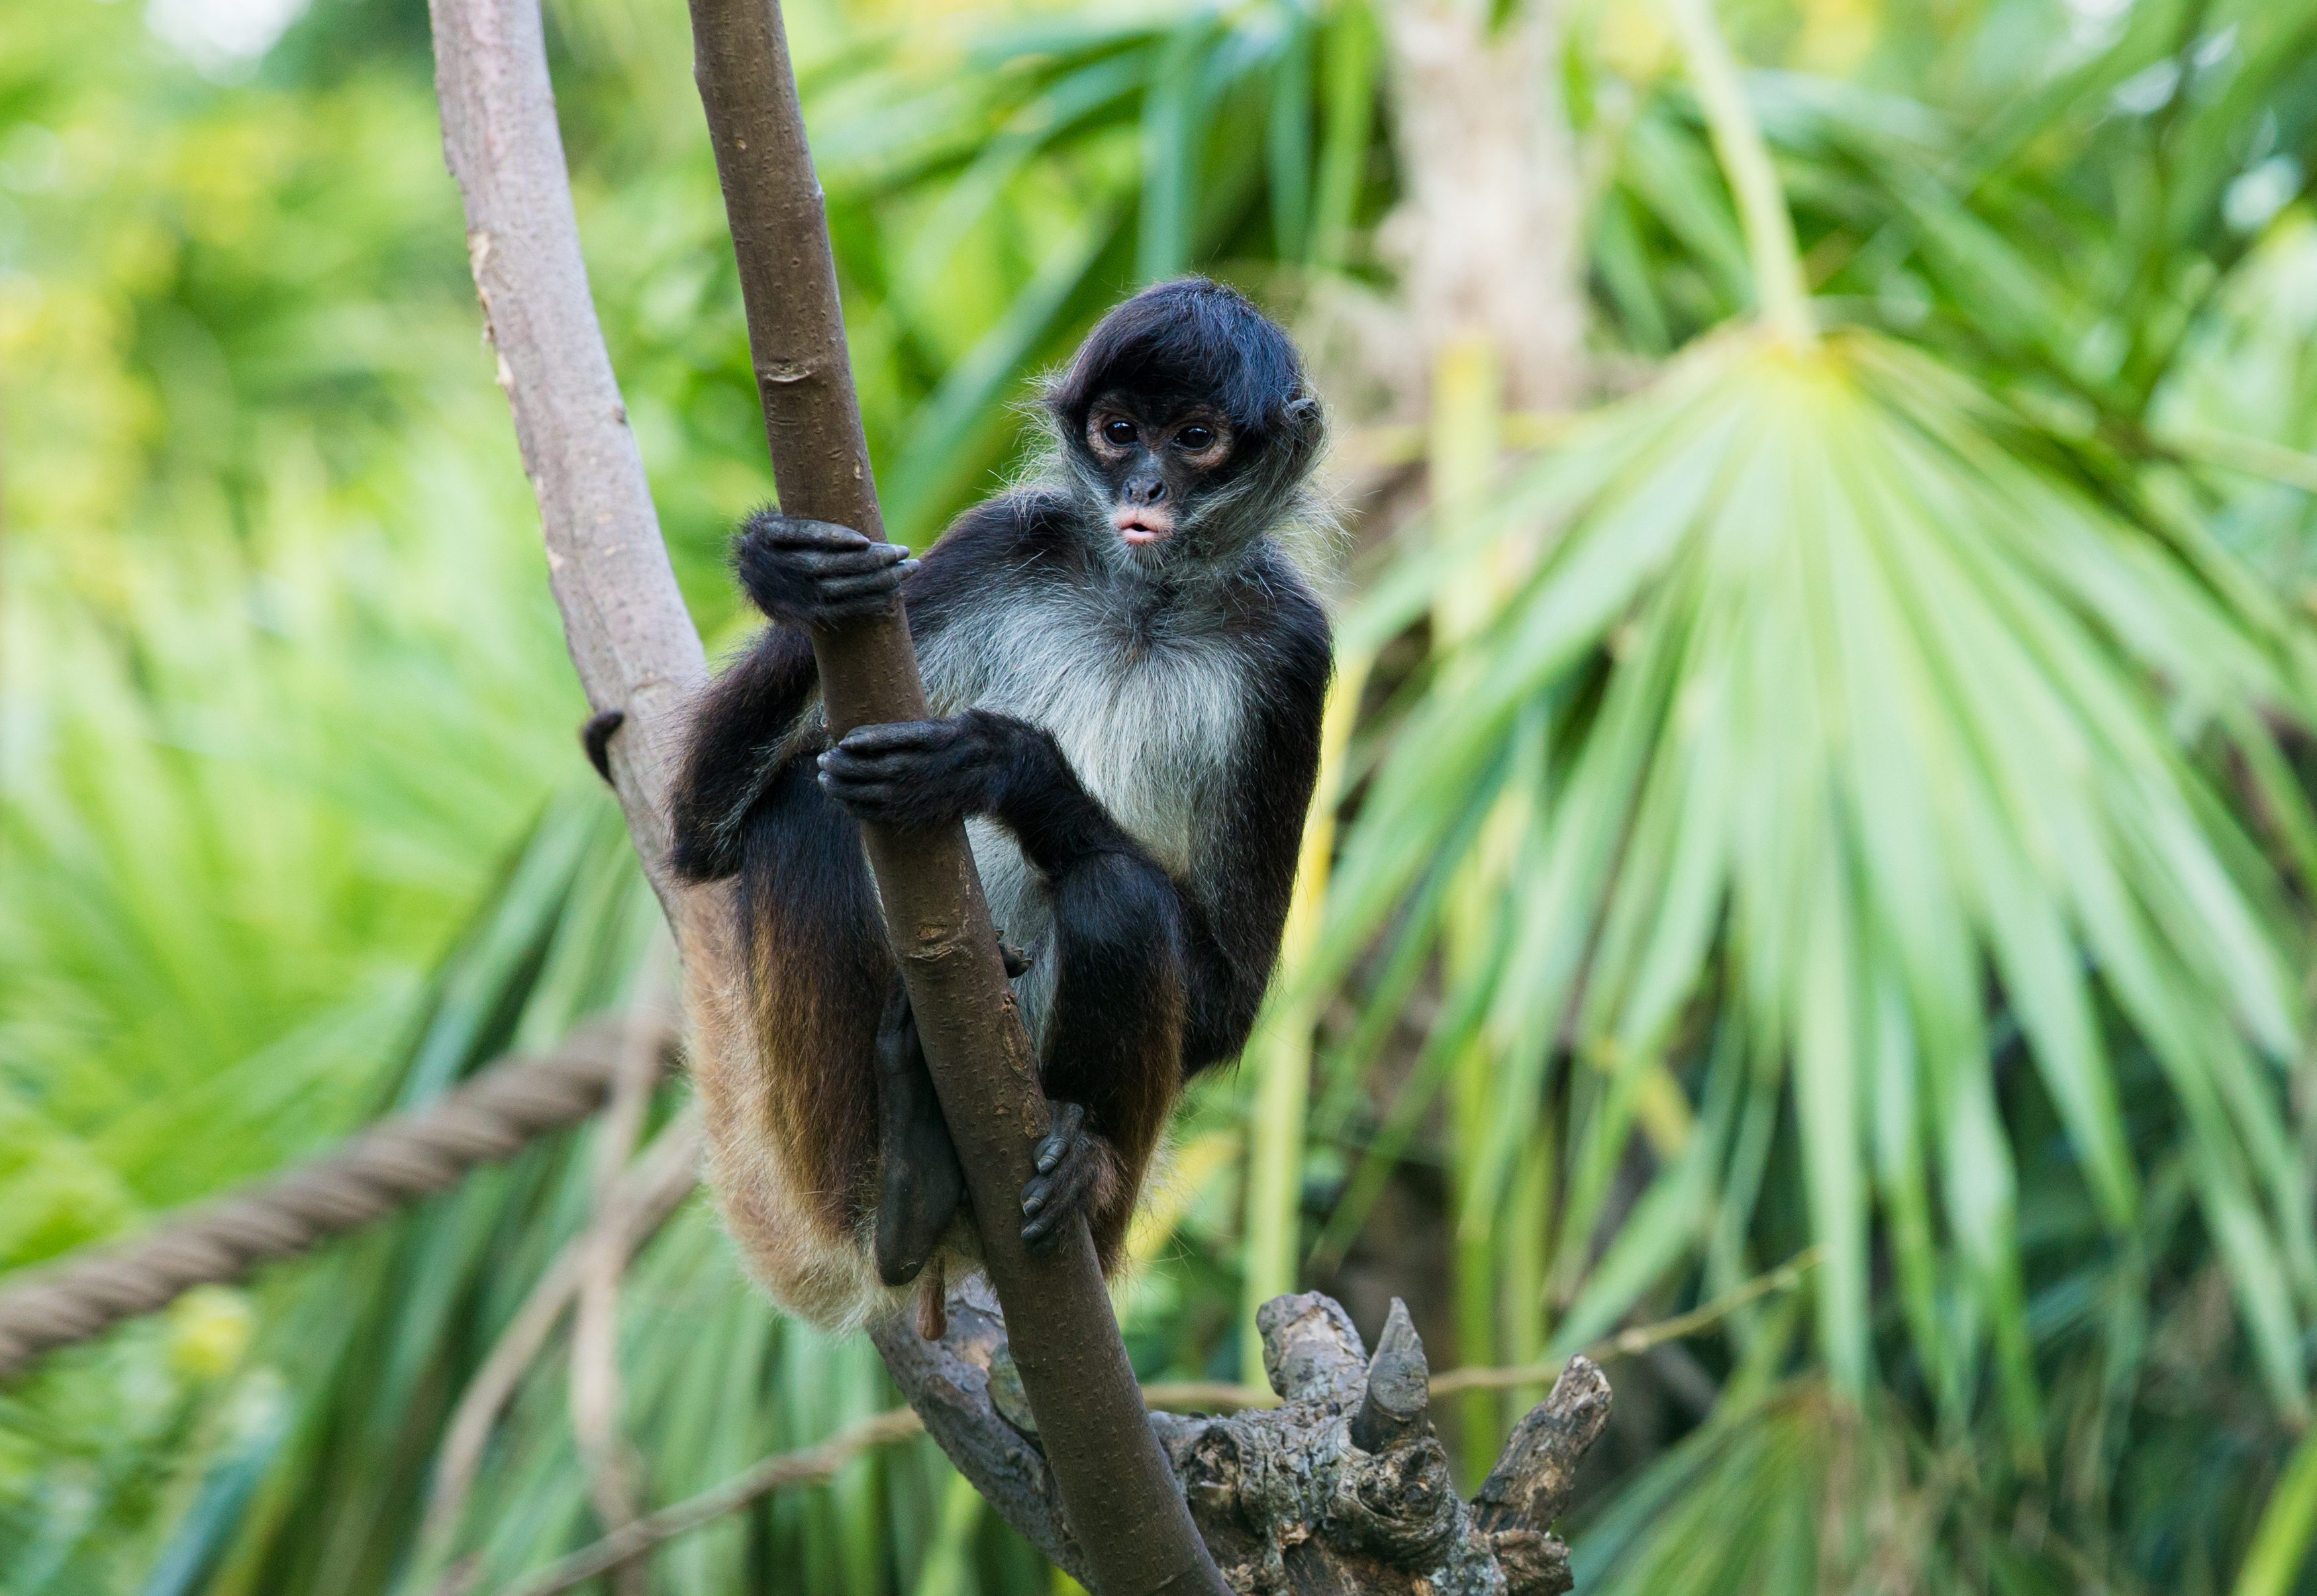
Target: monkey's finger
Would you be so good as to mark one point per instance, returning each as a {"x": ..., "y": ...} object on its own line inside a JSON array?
[
  {"x": 1042, "y": 1193},
  {"x": 844, "y": 562},
  {"x": 1050, "y": 1201},
  {"x": 837, "y": 612},
  {"x": 895, "y": 737},
  {"x": 851, "y": 766},
  {"x": 877, "y": 584},
  {"x": 797, "y": 531},
  {"x": 867, "y": 801},
  {"x": 853, "y": 786}
]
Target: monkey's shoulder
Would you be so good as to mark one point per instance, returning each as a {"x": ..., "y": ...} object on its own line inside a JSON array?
[
  {"x": 1275, "y": 605},
  {"x": 1027, "y": 532}
]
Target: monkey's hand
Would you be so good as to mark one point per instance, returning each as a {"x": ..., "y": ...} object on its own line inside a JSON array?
[
  {"x": 814, "y": 573},
  {"x": 1078, "y": 1173},
  {"x": 924, "y": 773}
]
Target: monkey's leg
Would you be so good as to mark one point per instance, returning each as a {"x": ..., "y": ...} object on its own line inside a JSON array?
[
  {"x": 1112, "y": 1053},
  {"x": 922, "y": 1184}
]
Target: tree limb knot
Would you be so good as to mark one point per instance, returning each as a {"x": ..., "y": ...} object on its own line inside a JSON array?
[{"x": 1345, "y": 1487}]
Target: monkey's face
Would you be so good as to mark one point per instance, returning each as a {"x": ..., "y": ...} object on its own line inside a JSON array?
[{"x": 1156, "y": 461}]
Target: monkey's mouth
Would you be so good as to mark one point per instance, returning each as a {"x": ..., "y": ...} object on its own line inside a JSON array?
[{"x": 1141, "y": 528}]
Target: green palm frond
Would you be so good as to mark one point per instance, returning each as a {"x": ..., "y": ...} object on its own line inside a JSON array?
[
  {"x": 1863, "y": 717},
  {"x": 1792, "y": 1494},
  {"x": 2053, "y": 213}
]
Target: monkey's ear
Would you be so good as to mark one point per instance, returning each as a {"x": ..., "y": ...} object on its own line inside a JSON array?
[{"x": 1303, "y": 422}]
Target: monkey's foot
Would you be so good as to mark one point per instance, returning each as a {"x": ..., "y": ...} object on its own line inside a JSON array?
[
  {"x": 923, "y": 1186},
  {"x": 1073, "y": 1162}
]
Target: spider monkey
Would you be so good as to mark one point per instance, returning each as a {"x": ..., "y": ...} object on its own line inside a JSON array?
[{"x": 1129, "y": 672}]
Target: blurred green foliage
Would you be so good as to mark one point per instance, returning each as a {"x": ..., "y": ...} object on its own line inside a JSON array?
[{"x": 1874, "y": 827}]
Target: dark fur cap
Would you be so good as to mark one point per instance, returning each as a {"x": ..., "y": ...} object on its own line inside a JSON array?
[{"x": 1193, "y": 339}]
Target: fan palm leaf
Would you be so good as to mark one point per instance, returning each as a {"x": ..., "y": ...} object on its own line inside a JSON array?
[{"x": 1862, "y": 715}]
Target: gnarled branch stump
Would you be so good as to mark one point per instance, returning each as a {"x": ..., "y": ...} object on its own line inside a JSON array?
[{"x": 1343, "y": 1488}]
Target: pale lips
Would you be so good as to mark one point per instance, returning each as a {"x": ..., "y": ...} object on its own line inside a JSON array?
[{"x": 1142, "y": 527}]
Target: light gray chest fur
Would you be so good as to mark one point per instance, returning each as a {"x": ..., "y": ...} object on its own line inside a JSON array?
[{"x": 1149, "y": 728}]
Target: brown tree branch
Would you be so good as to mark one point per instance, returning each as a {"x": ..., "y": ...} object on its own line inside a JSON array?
[
  {"x": 1136, "y": 1535},
  {"x": 821, "y": 1462}
]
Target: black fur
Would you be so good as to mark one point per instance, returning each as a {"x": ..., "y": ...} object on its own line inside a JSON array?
[
  {"x": 1154, "y": 974},
  {"x": 1194, "y": 341},
  {"x": 595, "y": 737}
]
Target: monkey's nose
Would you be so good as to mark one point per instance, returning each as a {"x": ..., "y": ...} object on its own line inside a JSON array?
[{"x": 1149, "y": 491}]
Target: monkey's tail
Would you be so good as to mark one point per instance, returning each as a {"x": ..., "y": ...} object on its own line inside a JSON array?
[{"x": 812, "y": 1270}]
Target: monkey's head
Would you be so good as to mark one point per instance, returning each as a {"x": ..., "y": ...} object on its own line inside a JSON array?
[{"x": 1186, "y": 423}]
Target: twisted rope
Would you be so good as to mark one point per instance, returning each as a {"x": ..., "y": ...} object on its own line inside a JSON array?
[{"x": 373, "y": 1173}]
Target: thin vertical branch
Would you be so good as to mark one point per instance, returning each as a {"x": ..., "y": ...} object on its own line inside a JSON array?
[
  {"x": 632, "y": 640},
  {"x": 650, "y": 1190},
  {"x": 1116, "y": 1487},
  {"x": 596, "y": 1395}
]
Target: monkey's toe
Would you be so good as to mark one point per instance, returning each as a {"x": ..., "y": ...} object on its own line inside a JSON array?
[{"x": 1069, "y": 1162}]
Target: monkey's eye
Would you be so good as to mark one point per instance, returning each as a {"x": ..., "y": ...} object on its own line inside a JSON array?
[
  {"x": 1195, "y": 438},
  {"x": 1121, "y": 433}
]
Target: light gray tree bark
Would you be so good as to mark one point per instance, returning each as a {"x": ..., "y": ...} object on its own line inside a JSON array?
[{"x": 1488, "y": 232}]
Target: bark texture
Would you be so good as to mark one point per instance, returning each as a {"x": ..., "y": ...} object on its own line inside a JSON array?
[
  {"x": 1343, "y": 1488},
  {"x": 630, "y": 637}
]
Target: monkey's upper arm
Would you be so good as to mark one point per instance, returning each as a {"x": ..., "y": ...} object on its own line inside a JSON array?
[
  {"x": 1244, "y": 868},
  {"x": 731, "y": 747}
]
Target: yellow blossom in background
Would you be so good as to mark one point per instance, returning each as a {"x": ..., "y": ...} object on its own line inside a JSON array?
[
  {"x": 1837, "y": 35},
  {"x": 1632, "y": 40},
  {"x": 208, "y": 1331}
]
